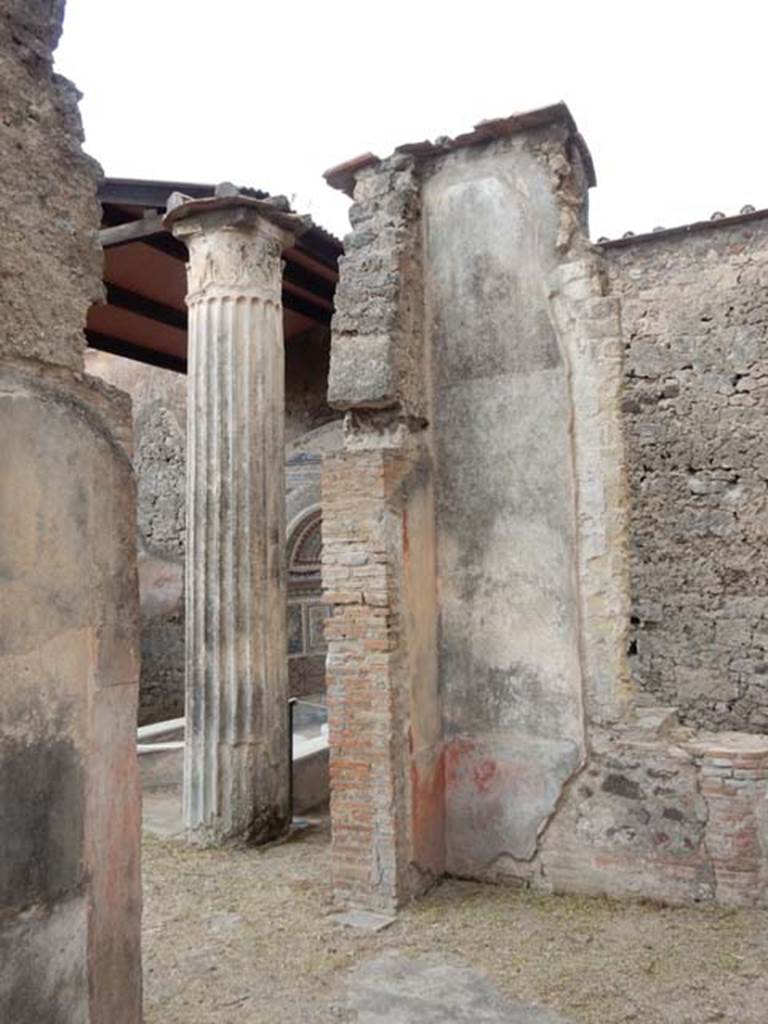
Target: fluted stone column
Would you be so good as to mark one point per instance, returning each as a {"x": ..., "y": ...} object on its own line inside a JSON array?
[{"x": 236, "y": 770}]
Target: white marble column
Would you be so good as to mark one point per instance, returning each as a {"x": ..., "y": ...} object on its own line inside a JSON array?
[{"x": 236, "y": 768}]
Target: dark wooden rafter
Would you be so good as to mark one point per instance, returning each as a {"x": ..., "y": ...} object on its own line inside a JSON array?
[
  {"x": 116, "y": 194},
  {"x": 135, "y": 192},
  {"x": 317, "y": 304},
  {"x": 298, "y": 304},
  {"x": 127, "y": 349},
  {"x": 122, "y": 298},
  {"x": 132, "y": 302},
  {"x": 304, "y": 278},
  {"x": 148, "y": 230}
]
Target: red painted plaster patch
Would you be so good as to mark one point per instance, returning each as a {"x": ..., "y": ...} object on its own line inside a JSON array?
[{"x": 483, "y": 775}]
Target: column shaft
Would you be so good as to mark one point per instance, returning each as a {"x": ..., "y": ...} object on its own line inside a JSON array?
[
  {"x": 236, "y": 755},
  {"x": 236, "y": 769}
]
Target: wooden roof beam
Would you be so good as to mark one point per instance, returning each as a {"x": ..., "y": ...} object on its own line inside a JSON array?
[
  {"x": 123, "y": 298},
  {"x": 129, "y": 350},
  {"x": 145, "y": 227}
]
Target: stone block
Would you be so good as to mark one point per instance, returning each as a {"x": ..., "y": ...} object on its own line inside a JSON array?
[
  {"x": 364, "y": 920},
  {"x": 362, "y": 372}
]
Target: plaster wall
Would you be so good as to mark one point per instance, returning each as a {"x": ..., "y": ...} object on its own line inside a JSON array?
[
  {"x": 69, "y": 794},
  {"x": 510, "y": 672}
]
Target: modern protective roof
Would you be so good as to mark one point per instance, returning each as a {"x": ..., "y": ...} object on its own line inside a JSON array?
[{"x": 145, "y": 316}]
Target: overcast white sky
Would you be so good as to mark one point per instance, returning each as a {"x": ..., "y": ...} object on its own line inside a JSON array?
[{"x": 670, "y": 96}]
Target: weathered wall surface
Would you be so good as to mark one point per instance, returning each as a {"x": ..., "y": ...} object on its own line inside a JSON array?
[
  {"x": 379, "y": 559},
  {"x": 524, "y": 480},
  {"x": 51, "y": 264},
  {"x": 69, "y": 797},
  {"x": 695, "y": 325},
  {"x": 662, "y": 813},
  {"x": 514, "y": 450},
  {"x": 159, "y": 417},
  {"x": 159, "y": 421},
  {"x": 481, "y": 360},
  {"x": 509, "y": 661}
]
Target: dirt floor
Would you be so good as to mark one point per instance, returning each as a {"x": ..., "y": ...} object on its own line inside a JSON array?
[{"x": 245, "y": 936}]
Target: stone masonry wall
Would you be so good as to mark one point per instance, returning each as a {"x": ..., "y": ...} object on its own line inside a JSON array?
[
  {"x": 660, "y": 812},
  {"x": 694, "y": 313}
]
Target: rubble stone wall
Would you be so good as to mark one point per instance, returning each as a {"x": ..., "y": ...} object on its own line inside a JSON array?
[
  {"x": 694, "y": 312},
  {"x": 660, "y": 812}
]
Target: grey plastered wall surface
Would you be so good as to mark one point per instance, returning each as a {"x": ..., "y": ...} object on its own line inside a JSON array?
[
  {"x": 510, "y": 671},
  {"x": 695, "y": 327}
]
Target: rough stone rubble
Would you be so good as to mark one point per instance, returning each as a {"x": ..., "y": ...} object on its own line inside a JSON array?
[{"x": 694, "y": 318}]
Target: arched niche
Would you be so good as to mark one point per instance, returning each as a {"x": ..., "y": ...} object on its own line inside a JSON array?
[{"x": 306, "y": 612}]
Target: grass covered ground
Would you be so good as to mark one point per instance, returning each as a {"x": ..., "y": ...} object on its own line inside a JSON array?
[{"x": 245, "y": 936}]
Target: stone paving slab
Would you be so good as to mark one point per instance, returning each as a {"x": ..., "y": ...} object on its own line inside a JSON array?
[
  {"x": 365, "y": 920},
  {"x": 394, "y": 989}
]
